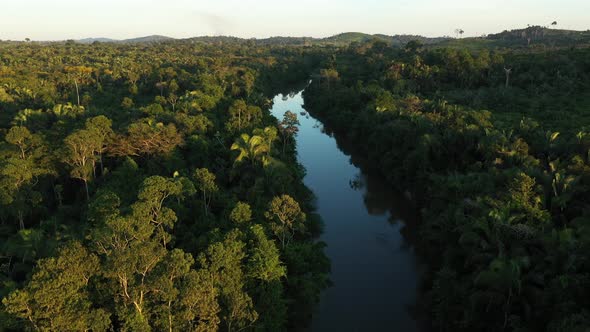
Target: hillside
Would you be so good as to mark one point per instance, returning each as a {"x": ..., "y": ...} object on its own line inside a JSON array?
[
  {"x": 530, "y": 37},
  {"x": 146, "y": 39}
]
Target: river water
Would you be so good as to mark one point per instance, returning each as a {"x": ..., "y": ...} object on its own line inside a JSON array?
[{"x": 367, "y": 226}]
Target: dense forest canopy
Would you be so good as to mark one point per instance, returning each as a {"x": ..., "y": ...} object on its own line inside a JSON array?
[
  {"x": 493, "y": 145},
  {"x": 145, "y": 185}
]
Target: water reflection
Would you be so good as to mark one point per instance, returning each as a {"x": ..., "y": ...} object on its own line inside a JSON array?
[{"x": 367, "y": 224}]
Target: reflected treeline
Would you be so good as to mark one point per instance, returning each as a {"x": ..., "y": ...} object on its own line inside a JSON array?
[{"x": 379, "y": 197}]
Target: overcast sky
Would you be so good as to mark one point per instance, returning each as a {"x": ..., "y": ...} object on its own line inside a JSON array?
[{"x": 73, "y": 19}]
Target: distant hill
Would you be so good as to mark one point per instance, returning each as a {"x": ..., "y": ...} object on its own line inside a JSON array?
[
  {"x": 533, "y": 36},
  {"x": 342, "y": 39},
  {"x": 396, "y": 40},
  {"x": 350, "y": 37},
  {"x": 146, "y": 39},
  {"x": 530, "y": 37},
  {"x": 538, "y": 34},
  {"x": 92, "y": 40}
]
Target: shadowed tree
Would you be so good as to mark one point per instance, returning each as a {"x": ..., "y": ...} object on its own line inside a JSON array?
[
  {"x": 205, "y": 183},
  {"x": 19, "y": 172}
]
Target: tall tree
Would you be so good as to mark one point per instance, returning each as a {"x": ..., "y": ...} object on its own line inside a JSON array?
[
  {"x": 205, "y": 182},
  {"x": 288, "y": 127},
  {"x": 80, "y": 153}
]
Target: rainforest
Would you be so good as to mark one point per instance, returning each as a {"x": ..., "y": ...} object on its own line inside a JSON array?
[{"x": 351, "y": 183}]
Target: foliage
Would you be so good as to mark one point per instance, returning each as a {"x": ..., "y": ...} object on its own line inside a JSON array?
[
  {"x": 107, "y": 152},
  {"x": 499, "y": 168}
]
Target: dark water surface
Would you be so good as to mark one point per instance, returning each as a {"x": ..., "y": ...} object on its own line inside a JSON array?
[{"x": 374, "y": 268}]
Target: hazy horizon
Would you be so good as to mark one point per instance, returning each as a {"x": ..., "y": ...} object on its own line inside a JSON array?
[{"x": 69, "y": 19}]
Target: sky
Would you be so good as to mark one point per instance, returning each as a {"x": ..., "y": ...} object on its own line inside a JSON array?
[{"x": 119, "y": 19}]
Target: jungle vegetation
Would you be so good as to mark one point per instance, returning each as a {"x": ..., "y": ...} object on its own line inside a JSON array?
[
  {"x": 492, "y": 144},
  {"x": 147, "y": 187}
]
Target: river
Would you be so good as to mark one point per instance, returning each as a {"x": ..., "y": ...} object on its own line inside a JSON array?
[{"x": 367, "y": 226}]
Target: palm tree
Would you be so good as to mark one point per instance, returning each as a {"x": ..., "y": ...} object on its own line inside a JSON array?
[
  {"x": 269, "y": 134},
  {"x": 250, "y": 147}
]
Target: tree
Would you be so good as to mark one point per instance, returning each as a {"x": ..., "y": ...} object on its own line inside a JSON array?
[
  {"x": 224, "y": 261},
  {"x": 79, "y": 75},
  {"x": 414, "y": 46},
  {"x": 22, "y": 138},
  {"x": 127, "y": 103},
  {"x": 250, "y": 147},
  {"x": 134, "y": 252},
  {"x": 150, "y": 207},
  {"x": 286, "y": 217},
  {"x": 507, "y": 71},
  {"x": 146, "y": 137},
  {"x": 57, "y": 298},
  {"x": 101, "y": 127},
  {"x": 160, "y": 86},
  {"x": 329, "y": 75},
  {"x": 20, "y": 171},
  {"x": 288, "y": 127},
  {"x": 264, "y": 259},
  {"x": 243, "y": 116},
  {"x": 269, "y": 135},
  {"x": 192, "y": 124},
  {"x": 459, "y": 32},
  {"x": 80, "y": 149},
  {"x": 205, "y": 182},
  {"x": 172, "y": 99},
  {"x": 18, "y": 177},
  {"x": 266, "y": 270},
  {"x": 132, "y": 77},
  {"x": 241, "y": 213},
  {"x": 198, "y": 306}
]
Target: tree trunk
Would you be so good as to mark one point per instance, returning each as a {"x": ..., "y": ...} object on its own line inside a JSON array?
[
  {"x": 77, "y": 91},
  {"x": 87, "y": 192},
  {"x": 284, "y": 144},
  {"x": 169, "y": 317},
  {"x": 21, "y": 220},
  {"x": 508, "y": 71},
  {"x": 101, "y": 164},
  {"x": 205, "y": 202}
]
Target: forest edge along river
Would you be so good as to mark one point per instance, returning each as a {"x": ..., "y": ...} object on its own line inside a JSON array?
[{"x": 367, "y": 227}]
